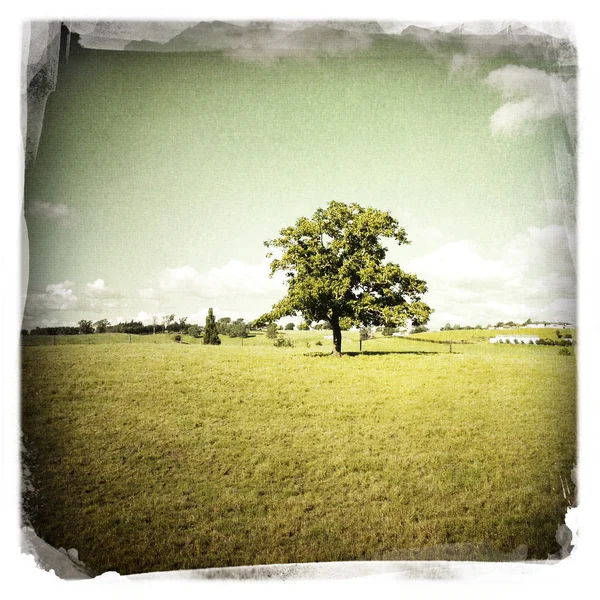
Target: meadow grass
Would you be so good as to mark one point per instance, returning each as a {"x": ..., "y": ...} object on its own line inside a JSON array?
[{"x": 153, "y": 455}]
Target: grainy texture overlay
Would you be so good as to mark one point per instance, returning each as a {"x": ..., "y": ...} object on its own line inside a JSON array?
[{"x": 181, "y": 408}]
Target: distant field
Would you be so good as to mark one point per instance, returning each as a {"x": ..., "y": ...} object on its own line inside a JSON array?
[{"x": 153, "y": 455}]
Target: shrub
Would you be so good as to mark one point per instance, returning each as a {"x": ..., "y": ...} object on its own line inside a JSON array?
[
  {"x": 289, "y": 327},
  {"x": 272, "y": 331},
  {"x": 564, "y": 352},
  {"x": 283, "y": 343},
  {"x": 177, "y": 338},
  {"x": 388, "y": 330},
  {"x": 318, "y": 343}
]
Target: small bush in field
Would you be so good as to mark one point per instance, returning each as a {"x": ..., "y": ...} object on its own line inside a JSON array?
[
  {"x": 283, "y": 343},
  {"x": 177, "y": 338},
  {"x": 318, "y": 343},
  {"x": 564, "y": 352}
]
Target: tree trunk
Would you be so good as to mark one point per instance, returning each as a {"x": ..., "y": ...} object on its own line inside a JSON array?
[{"x": 337, "y": 337}]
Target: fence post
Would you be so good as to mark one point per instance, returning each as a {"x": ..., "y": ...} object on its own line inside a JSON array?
[
  {"x": 130, "y": 338},
  {"x": 450, "y": 347},
  {"x": 360, "y": 348}
]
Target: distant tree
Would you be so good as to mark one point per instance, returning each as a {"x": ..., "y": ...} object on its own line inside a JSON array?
[
  {"x": 154, "y": 323},
  {"x": 24, "y": 332},
  {"x": 223, "y": 325},
  {"x": 304, "y": 326},
  {"x": 365, "y": 334},
  {"x": 167, "y": 321},
  {"x": 272, "y": 331},
  {"x": 194, "y": 331},
  {"x": 211, "y": 334},
  {"x": 100, "y": 326},
  {"x": 387, "y": 330},
  {"x": 420, "y": 329},
  {"x": 238, "y": 329},
  {"x": 85, "y": 326},
  {"x": 289, "y": 327},
  {"x": 334, "y": 267},
  {"x": 183, "y": 327}
]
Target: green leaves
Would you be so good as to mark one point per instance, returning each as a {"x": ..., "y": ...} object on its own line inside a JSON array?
[{"x": 334, "y": 266}]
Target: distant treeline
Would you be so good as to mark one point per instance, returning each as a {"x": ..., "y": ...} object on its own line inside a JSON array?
[{"x": 225, "y": 326}]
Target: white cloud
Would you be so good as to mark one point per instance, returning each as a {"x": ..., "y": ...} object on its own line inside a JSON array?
[
  {"x": 57, "y": 297},
  {"x": 530, "y": 96},
  {"x": 98, "y": 289},
  {"x": 236, "y": 278},
  {"x": 460, "y": 262},
  {"x": 57, "y": 212},
  {"x": 532, "y": 276}
]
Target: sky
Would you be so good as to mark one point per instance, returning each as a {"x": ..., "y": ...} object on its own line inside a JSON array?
[{"x": 159, "y": 176}]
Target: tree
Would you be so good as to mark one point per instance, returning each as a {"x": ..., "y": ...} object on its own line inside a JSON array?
[
  {"x": 211, "y": 335},
  {"x": 183, "y": 327},
  {"x": 194, "y": 331},
  {"x": 289, "y": 327},
  {"x": 238, "y": 329},
  {"x": 100, "y": 326},
  {"x": 85, "y": 326},
  {"x": 223, "y": 325},
  {"x": 272, "y": 331},
  {"x": 167, "y": 320},
  {"x": 304, "y": 326},
  {"x": 420, "y": 329},
  {"x": 334, "y": 267},
  {"x": 154, "y": 323}
]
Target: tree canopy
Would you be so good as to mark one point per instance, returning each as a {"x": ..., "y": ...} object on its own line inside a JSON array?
[{"x": 335, "y": 271}]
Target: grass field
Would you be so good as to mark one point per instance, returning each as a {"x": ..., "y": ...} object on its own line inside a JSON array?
[{"x": 153, "y": 455}]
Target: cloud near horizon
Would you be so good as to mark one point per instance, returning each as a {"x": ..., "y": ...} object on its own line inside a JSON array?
[
  {"x": 532, "y": 276},
  {"x": 236, "y": 278}
]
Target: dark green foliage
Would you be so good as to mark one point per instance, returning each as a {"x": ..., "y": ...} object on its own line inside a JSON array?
[
  {"x": 272, "y": 331},
  {"x": 387, "y": 330},
  {"x": 289, "y": 327},
  {"x": 420, "y": 329},
  {"x": 177, "y": 337},
  {"x": 194, "y": 331},
  {"x": 223, "y": 325},
  {"x": 318, "y": 343},
  {"x": 283, "y": 343},
  {"x": 64, "y": 330},
  {"x": 85, "y": 326},
  {"x": 304, "y": 326},
  {"x": 238, "y": 329},
  {"x": 101, "y": 326},
  {"x": 564, "y": 352},
  {"x": 211, "y": 335}
]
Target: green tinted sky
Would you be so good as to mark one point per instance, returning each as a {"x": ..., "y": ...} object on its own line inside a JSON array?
[{"x": 165, "y": 161}]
